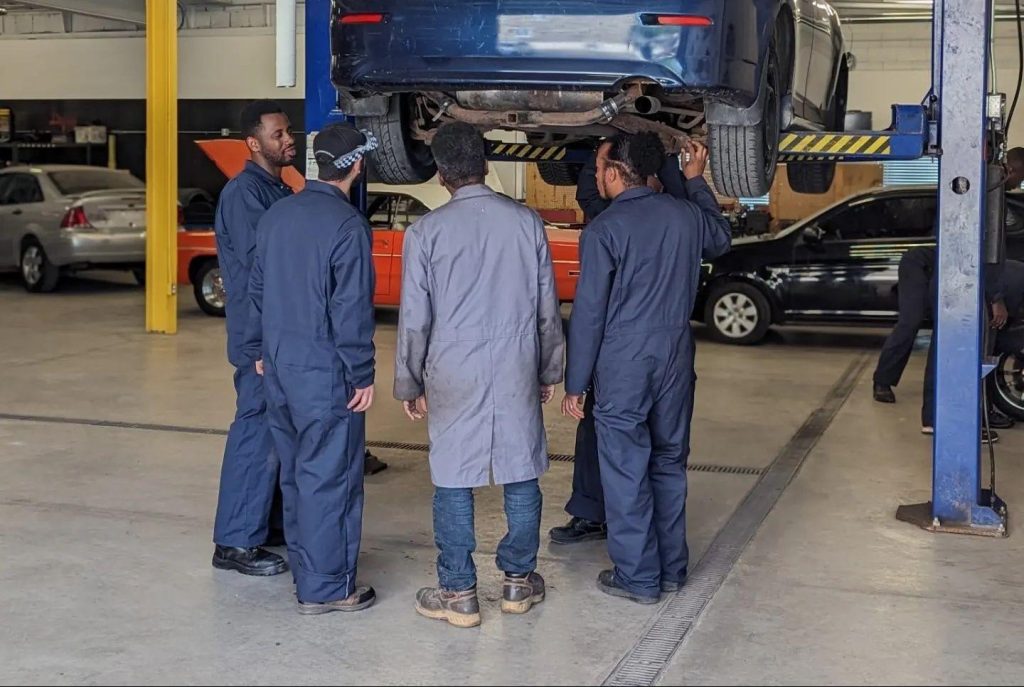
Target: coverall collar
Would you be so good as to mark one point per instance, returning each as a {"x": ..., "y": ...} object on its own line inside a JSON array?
[
  {"x": 263, "y": 174},
  {"x": 323, "y": 187},
  {"x": 637, "y": 192}
]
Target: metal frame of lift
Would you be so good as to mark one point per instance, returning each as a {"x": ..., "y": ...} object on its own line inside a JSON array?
[{"x": 953, "y": 124}]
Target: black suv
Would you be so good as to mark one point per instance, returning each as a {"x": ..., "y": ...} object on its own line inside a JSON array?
[{"x": 838, "y": 266}]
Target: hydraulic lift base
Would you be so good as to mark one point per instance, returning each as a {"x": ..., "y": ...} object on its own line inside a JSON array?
[{"x": 986, "y": 521}]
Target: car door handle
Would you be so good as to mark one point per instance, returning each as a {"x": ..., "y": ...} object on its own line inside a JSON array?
[
  {"x": 17, "y": 212},
  {"x": 574, "y": 273}
]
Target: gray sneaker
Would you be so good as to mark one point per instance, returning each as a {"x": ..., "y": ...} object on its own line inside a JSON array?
[
  {"x": 461, "y": 609},
  {"x": 519, "y": 594}
]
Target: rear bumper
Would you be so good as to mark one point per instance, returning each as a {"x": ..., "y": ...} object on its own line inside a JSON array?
[{"x": 96, "y": 248}]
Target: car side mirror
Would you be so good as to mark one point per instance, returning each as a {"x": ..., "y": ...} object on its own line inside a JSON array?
[{"x": 813, "y": 235}]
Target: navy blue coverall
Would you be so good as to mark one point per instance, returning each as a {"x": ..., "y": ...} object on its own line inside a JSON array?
[
  {"x": 630, "y": 336},
  {"x": 248, "y": 476},
  {"x": 312, "y": 324},
  {"x": 587, "y": 499}
]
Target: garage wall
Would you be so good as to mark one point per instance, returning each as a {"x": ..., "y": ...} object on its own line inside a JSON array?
[
  {"x": 894, "y": 66},
  {"x": 213, "y": 64}
]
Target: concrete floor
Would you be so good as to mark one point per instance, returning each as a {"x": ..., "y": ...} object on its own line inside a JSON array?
[{"x": 106, "y": 531}]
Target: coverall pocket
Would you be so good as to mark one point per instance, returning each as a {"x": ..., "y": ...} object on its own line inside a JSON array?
[
  {"x": 623, "y": 387},
  {"x": 341, "y": 393}
]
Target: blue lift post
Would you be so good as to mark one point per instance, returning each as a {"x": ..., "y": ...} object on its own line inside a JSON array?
[
  {"x": 321, "y": 97},
  {"x": 962, "y": 34},
  {"x": 952, "y": 125}
]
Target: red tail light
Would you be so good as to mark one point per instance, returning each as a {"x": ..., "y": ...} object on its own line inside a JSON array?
[
  {"x": 675, "y": 20},
  {"x": 363, "y": 18},
  {"x": 75, "y": 219}
]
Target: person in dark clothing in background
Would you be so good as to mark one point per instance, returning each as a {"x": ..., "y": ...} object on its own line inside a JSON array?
[
  {"x": 586, "y": 504},
  {"x": 249, "y": 473},
  {"x": 1004, "y": 291},
  {"x": 311, "y": 330},
  {"x": 631, "y": 346}
]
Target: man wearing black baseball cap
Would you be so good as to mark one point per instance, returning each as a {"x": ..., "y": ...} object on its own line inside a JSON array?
[{"x": 312, "y": 329}]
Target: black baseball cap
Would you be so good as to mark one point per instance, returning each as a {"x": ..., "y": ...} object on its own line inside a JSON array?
[{"x": 333, "y": 143}]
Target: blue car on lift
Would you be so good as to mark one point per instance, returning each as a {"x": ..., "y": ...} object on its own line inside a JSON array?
[{"x": 566, "y": 72}]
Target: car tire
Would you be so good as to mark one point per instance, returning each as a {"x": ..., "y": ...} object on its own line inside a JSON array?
[
  {"x": 208, "y": 287},
  {"x": 743, "y": 158},
  {"x": 559, "y": 173},
  {"x": 737, "y": 313},
  {"x": 400, "y": 158},
  {"x": 38, "y": 274},
  {"x": 1006, "y": 385},
  {"x": 817, "y": 177}
]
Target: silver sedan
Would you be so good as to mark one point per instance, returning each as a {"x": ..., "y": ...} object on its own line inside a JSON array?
[{"x": 56, "y": 219}]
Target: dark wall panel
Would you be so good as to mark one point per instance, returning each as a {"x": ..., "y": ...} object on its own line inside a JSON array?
[{"x": 197, "y": 119}]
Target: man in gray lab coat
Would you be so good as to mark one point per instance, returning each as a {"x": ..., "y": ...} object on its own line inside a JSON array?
[{"x": 479, "y": 338}]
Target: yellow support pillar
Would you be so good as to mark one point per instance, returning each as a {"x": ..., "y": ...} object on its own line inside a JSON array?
[{"x": 161, "y": 166}]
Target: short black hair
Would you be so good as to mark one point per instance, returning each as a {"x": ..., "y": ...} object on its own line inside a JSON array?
[
  {"x": 1017, "y": 154},
  {"x": 252, "y": 115},
  {"x": 460, "y": 153},
  {"x": 637, "y": 156}
]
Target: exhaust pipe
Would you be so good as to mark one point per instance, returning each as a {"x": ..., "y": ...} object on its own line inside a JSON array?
[
  {"x": 601, "y": 114},
  {"x": 647, "y": 105}
]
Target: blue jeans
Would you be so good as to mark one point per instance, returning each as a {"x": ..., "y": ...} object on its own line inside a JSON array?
[{"x": 455, "y": 534}]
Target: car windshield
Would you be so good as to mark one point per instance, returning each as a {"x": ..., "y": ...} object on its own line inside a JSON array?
[{"x": 74, "y": 182}]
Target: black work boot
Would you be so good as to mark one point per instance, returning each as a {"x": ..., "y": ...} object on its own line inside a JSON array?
[
  {"x": 999, "y": 420},
  {"x": 362, "y": 597},
  {"x": 883, "y": 393},
  {"x": 578, "y": 530},
  {"x": 251, "y": 561},
  {"x": 372, "y": 465},
  {"x": 461, "y": 609},
  {"x": 520, "y": 592},
  {"x": 607, "y": 583}
]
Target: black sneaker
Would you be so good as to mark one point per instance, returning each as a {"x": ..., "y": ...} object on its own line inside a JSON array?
[
  {"x": 578, "y": 530},
  {"x": 251, "y": 561},
  {"x": 999, "y": 420},
  {"x": 372, "y": 465},
  {"x": 883, "y": 393},
  {"x": 607, "y": 583}
]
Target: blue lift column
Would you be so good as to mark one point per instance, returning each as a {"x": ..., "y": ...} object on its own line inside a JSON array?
[
  {"x": 959, "y": 504},
  {"x": 321, "y": 96}
]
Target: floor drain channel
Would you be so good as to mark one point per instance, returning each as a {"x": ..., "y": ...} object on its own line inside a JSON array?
[
  {"x": 392, "y": 445},
  {"x": 568, "y": 458},
  {"x": 645, "y": 661}
]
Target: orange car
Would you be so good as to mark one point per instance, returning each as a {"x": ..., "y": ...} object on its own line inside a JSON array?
[{"x": 391, "y": 209}]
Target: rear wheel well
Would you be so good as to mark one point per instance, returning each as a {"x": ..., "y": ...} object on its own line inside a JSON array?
[
  {"x": 785, "y": 43},
  {"x": 196, "y": 265},
  {"x": 26, "y": 240}
]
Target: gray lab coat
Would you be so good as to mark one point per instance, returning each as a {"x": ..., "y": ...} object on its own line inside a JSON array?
[{"x": 479, "y": 332}]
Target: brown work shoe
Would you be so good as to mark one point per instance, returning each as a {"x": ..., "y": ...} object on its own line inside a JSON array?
[
  {"x": 519, "y": 594},
  {"x": 362, "y": 598},
  {"x": 461, "y": 609}
]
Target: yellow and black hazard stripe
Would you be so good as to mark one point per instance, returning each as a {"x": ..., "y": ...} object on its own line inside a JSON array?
[
  {"x": 527, "y": 152},
  {"x": 801, "y": 146}
]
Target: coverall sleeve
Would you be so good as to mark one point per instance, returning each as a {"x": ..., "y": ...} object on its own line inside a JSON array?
[
  {"x": 716, "y": 232},
  {"x": 415, "y": 320},
  {"x": 242, "y": 213},
  {"x": 589, "y": 311},
  {"x": 252, "y": 343},
  {"x": 351, "y": 305},
  {"x": 671, "y": 177},
  {"x": 587, "y": 195},
  {"x": 549, "y": 317}
]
